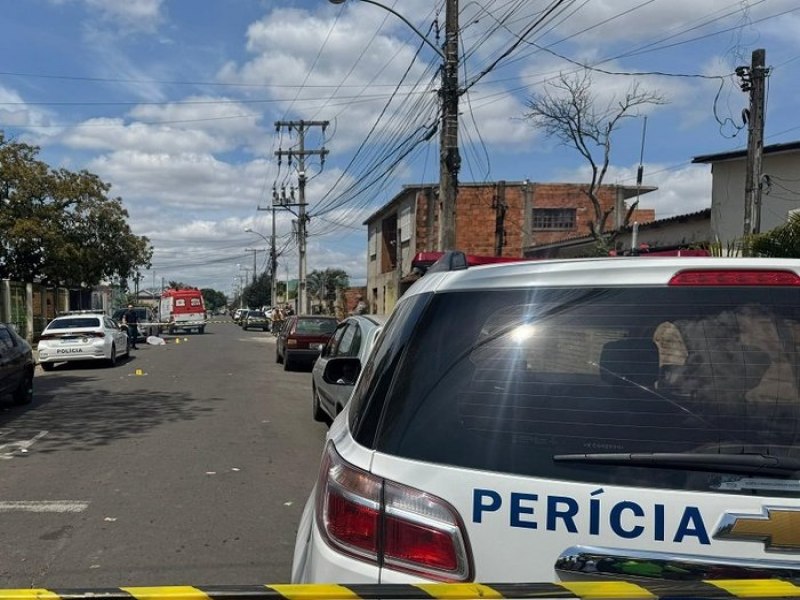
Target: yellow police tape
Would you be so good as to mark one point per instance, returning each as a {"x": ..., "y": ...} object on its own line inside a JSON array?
[{"x": 595, "y": 590}]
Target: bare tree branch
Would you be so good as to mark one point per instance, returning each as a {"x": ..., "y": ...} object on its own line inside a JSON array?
[{"x": 568, "y": 111}]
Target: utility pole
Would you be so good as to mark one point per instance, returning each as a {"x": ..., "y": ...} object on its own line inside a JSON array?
[
  {"x": 449, "y": 157},
  {"x": 500, "y": 207},
  {"x": 300, "y": 154},
  {"x": 754, "y": 81},
  {"x": 242, "y": 281},
  {"x": 273, "y": 255},
  {"x": 254, "y": 251}
]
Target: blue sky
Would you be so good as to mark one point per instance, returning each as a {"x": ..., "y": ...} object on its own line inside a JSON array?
[{"x": 173, "y": 102}]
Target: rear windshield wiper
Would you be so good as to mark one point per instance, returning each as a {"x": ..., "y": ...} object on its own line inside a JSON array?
[{"x": 744, "y": 464}]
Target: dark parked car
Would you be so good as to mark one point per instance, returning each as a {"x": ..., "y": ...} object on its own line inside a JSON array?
[
  {"x": 333, "y": 379},
  {"x": 255, "y": 319},
  {"x": 302, "y": 338},
  {"x": 16, "y": 366}
]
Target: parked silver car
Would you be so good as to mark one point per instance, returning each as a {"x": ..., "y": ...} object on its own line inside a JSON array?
[{"x": 330, "y": 386}]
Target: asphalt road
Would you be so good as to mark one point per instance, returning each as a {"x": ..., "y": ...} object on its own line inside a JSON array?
[{"x": 188, "y": 464}]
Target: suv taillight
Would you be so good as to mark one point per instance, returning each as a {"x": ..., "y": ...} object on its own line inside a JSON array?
[{"x": 389, "y": 524}]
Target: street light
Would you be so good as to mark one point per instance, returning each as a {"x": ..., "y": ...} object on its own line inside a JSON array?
[
  {"x": 449, "y": 157},
  {"x": 273, "y": 258}
]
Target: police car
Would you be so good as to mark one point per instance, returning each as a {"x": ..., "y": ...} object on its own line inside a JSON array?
[
  {"x": 557, "y": 420},
  {"x": 79, "y": 337}
]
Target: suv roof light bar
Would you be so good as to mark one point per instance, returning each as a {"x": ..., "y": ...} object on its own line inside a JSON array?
[{"x": 455, "y": 260}]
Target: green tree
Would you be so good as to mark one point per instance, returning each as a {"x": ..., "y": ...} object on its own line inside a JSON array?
[
  {"x": 214, "y": 299},
  {"x": 60, "y": 226},
  {"x": 323, "y": 285},
  {"x": 780, "y": 242},
  {"x": 258, "y": 293}
]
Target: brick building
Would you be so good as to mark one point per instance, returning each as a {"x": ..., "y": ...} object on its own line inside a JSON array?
[{"x": 492, "y": 219}]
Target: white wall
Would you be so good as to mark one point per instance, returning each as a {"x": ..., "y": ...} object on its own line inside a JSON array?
[{"x": 778, "y": 198}]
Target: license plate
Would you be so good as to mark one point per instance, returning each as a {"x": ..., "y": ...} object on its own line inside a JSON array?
[{"x": 69, "y": 341}]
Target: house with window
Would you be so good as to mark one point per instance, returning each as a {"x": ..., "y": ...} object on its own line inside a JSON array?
[
  {"x": 686, "y": 234},
  {"x": 492, "y": 219}
]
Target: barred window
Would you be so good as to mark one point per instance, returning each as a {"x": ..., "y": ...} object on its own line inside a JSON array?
[{"x": 554, "y": 218}]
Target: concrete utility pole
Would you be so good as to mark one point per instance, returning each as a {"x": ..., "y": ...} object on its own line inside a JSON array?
[
  {"x": 273, "y": 255},
  {"x": 254, "y": 251},
  {"x": 754, "y": 81},
  {"x": 300, "y": 154},
  {"x": 449, "y": 157}
]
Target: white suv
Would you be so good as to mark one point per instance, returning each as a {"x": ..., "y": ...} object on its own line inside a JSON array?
[{"x": 556, "y": 420}]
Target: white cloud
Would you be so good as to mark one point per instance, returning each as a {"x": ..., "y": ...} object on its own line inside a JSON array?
[
  {"x": 114, "y": 134},
  {"x": 633, "y": 20},
  {"x": 350, "y": 74},
  {"x": 188, "y": 181},
  {"x": 681, "y": 190},
  {"x": 15, "y": 112},
  {"x": 127, "y": 14}
]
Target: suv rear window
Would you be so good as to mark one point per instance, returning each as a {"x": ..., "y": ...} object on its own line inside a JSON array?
[{"x": 506, "y": 380}]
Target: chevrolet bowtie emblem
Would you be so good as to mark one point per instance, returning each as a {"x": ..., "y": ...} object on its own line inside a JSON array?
[{"x": 777, "y": 528}]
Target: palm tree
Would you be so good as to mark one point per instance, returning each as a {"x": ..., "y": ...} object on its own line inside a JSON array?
[{"x": 323, "y": 285}]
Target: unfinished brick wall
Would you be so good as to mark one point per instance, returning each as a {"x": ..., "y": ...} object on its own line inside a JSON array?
[{"x": 477, "y": 215}]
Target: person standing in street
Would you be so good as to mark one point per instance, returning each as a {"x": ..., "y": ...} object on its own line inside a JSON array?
[{"x": 131, "y": 320}]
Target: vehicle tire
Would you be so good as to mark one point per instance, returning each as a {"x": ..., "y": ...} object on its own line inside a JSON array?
[
  {"x": 201, "y": 330},
  {"x": 112, "y": 362},
  {"x": 24, "y": 392},
  {"x": 316, "y": 408},
  {"x": 244, "y": 327},
  {"x": 48, "y": 366},
  {"x": 288, "y": 363},
  {"x": 278, "y": 358}
]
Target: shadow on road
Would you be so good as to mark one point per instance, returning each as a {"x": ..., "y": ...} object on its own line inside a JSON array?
[{"x": 81, "y": 419}]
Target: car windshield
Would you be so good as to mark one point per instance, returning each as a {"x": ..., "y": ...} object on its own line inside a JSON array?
[
  {"x": 74, "y": 323},
  {"x": 257, "y": 313},
  {"x": 508, "y": 380}
]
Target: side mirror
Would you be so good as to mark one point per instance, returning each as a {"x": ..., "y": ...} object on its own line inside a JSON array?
[{"x": 342, "y": 371}]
